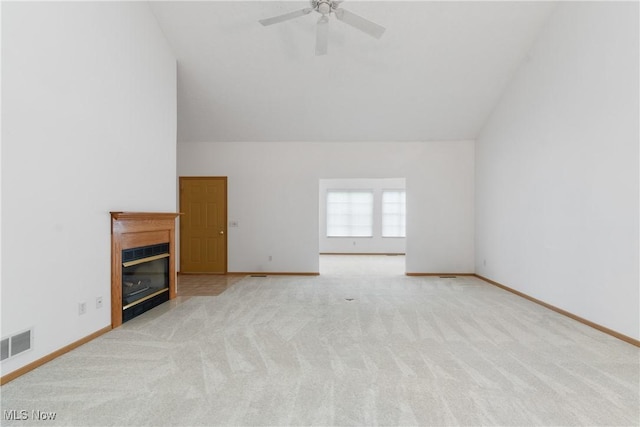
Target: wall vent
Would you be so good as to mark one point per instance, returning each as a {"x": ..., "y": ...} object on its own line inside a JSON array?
[
  {"x": 15, "y": 344},
  {"x": 4, "y": 349}
]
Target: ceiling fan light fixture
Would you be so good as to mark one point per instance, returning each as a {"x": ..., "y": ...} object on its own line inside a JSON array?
[{"x": 324, "y": 7}]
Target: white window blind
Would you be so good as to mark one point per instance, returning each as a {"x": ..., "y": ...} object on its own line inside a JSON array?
[
  {"x": 393, "y": 213},
  {"x": 349, "y": 213}
]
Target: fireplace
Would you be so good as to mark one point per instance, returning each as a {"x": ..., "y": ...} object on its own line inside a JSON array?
[
  {"x": 145, "y": 279},
  {"x": 142, "y": 263}
]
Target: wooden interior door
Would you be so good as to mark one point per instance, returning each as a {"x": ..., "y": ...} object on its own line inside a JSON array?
[{"x": 203, "y": 225}]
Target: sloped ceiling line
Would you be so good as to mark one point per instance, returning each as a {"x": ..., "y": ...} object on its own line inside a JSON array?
[{"x": 435, "y": 74}]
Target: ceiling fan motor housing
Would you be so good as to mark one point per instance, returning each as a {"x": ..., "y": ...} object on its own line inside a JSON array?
[{"x": 324, "y": 7}]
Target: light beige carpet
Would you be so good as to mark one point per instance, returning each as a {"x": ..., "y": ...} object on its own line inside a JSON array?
[{"x": 341, "y": 350}]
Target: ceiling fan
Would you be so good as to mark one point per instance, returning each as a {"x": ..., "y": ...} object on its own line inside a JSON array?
[{"x": 326, "y": 8}]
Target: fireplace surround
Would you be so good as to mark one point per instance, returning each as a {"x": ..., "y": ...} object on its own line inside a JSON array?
[{"x": 143, "y": 273}]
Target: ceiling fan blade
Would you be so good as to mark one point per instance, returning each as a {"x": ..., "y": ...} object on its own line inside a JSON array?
[
  {"x": 322, "y": 35},
  {"x": 286, "y": 16},
  {"x": 362, "y": 24}
]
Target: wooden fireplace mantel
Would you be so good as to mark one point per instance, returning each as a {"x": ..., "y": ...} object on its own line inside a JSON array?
[{"x": 132, "y": 230}]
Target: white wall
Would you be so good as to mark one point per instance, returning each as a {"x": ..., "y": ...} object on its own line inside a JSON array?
[
  {"x": 88, "y": 127},
  {"x": 557, "y": 169},
  {"x": 273, "y": 195},
  {"x": 374, "y": 244}
]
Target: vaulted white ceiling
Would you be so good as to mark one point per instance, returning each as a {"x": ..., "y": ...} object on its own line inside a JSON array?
[{"x": 436, "y": 73}]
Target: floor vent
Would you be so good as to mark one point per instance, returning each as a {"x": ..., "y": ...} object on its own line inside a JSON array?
[
  {"x": 14, "y": 345},
  {"x": 258, "y": 275},
  {"x": 448, "y": 277}
]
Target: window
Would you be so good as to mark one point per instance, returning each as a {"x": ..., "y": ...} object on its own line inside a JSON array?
[
  {"x": 349, "y": 213},
  {"x": 393, "y": 213}
]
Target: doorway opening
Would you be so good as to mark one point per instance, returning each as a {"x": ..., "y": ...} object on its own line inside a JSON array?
[{"x": 362, "y": 225}]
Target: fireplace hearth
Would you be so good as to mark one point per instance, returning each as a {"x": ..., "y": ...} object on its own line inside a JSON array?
[{"x": 142, "y": 263}]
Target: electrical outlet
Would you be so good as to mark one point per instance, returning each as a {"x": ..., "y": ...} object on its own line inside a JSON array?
[
  {"x": 82, "y": 308},
  {"x": 99, "y": 302},
  {"x": 270, "y": 258}
]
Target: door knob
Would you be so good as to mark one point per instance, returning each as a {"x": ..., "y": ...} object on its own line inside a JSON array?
[{"x": 222, "y": 232}]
